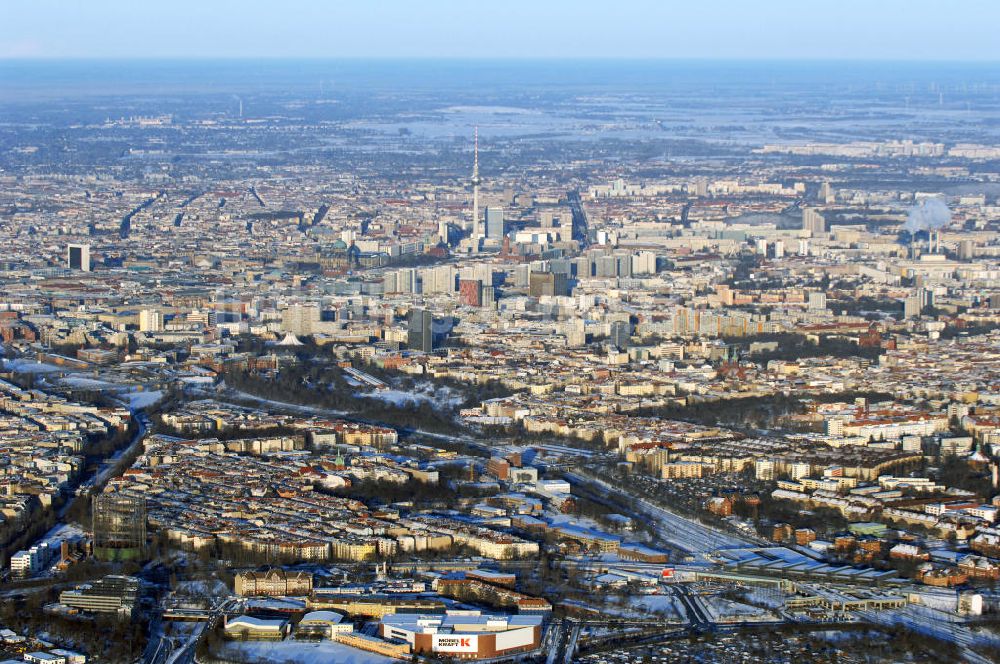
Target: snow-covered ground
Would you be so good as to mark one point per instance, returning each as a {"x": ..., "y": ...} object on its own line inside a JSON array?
[
  {"x": 197, "y": 380},
  {"x": 667, "y": 606},
  {"x": 135, "y": 398},
  {"x": 583, "y": 522},
  {"x": 720, "y": 609},
  {"x": 311, "y": 410},
  {"x": 300, "y": 652},
  {"x": 596, "y": 632},
  {"x": 54, "y": 538},
  {"x": 60, "y": 532},
  {"x": 208, "y": 588},
  {"x": 607, "y": 609},
  {"x": 442, "y": 397},
  {"x": 138, "y": 400},
  {"x": 31, "y": 366},
  {"x": 86, "y": 383}
]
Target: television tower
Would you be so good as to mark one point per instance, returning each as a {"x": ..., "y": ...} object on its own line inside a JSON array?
[{"x": 475, "y": 188}]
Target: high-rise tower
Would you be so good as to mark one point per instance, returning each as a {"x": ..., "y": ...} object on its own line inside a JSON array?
[
  {"x": 476, "y": 234},
  {"x": 78, "y": 257},
  {"x": 420, "y": 334}
]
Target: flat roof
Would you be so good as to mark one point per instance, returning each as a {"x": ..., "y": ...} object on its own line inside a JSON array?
[
  {"x": 322, "y": 616},
  {"x": 449, "y": 622}
]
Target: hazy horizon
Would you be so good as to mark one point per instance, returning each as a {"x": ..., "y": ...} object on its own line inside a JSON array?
[{"x": 24, "y": 78}]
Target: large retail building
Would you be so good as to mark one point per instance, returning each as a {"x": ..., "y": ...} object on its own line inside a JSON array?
[{"x": 465, "y": 634}]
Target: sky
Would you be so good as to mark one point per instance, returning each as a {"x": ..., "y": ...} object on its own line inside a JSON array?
[{"x": 702, "y": 29}]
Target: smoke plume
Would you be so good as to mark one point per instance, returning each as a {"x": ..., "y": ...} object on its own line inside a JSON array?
[{"x": 930, "y": 213}]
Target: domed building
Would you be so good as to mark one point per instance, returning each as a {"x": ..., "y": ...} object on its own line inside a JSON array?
[{"x": 340, "y": 257}]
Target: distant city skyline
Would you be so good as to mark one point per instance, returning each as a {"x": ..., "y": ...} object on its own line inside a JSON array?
[{"x": 713, "y": 29}]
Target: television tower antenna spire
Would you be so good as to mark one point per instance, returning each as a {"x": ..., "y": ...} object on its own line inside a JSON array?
[{"x": 475, "y": 187}]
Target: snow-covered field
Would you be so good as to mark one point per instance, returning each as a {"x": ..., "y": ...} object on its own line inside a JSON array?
[
  {"x": 442, "y": 397},
  {"x": 667, "y": 606},
  {"x": 300, "y": 652},
  {"x": 137, "y": 400},
  {"x": 312, "y": 410}
]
